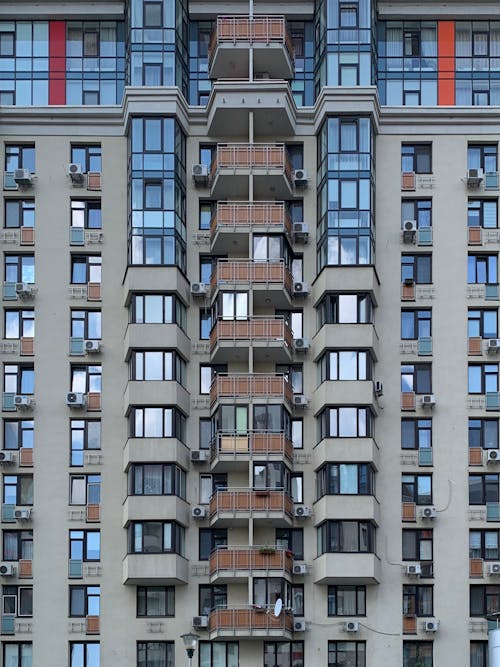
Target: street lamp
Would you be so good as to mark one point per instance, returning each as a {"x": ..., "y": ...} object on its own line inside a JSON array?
[{"x": 190, "y": 643}]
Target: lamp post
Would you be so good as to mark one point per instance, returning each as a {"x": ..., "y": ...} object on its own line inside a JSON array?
[{"x": 190, "y": 643}]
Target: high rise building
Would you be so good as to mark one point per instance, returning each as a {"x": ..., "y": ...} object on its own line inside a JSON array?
[{"x": 249, "y": 333}]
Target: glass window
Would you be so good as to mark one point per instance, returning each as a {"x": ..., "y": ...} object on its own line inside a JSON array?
[
  {"x": 85, "y": 654},
  {"x": 483, "y": 433},
  {"x": 347, "y": 653},
  {"x": 155, "y": 654},
  {"x": 155, "y": 601},
  {"x": 417, "y": 268},
  {"x": 417, "y": 489},
  {"x": 482, "y": 323},
  {"x": 346, "y": 600},
  {"x": 416, "y": 157},
  {"x": 417, "y": 653},
  {"x": 284, "y": 654},
  {"x": 482, "y": 269}
]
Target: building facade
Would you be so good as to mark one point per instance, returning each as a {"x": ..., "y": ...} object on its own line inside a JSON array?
[{"x": 249, "y": 332}]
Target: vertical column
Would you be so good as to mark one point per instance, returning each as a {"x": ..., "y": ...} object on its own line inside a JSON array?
[
  {"x": 57, "y": 62},
  {"x": 446, "y": 63}
]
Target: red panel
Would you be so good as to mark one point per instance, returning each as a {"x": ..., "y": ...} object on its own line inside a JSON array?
[
  {"x": 57, "y": 62},
  {"x": 446, "y": 63}
]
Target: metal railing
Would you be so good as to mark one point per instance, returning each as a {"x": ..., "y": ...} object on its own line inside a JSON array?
[
  {"x": 252, "y": 156},
  {"x": 250, "y": 618},
  {"x": 250, "y": 386},
  {"x": 251, "y": 443},
  {"x": 249, "y": 501},
  {"x": 251, "y": 558},
  {"x": 253, "y": 29},
  {"x": 254, "y": 329},
  {"x": 235, "y": 215},
  {"x": 247, "y": 272}
]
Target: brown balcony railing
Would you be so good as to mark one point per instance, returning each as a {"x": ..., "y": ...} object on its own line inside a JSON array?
[
  {"x": 252, "y": 156},
  {"x": 252, "y": 443},
  {"x": 253, "y": 558},
  {"x": 265, "y": 329},
  {"x": 250, "y": 386},
  {"x": 235, "y": 215},
  {"x": 255, "y": 29},
  {"x": 246, "y": 272},
  {"x": 249, "y": 618},
  {"x": 248, "y": 501}
]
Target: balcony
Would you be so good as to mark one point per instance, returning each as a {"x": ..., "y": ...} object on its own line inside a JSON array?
[
  {"x": 233, "y": 221},
  {"x": 144, "y": 508},
  {"x": 346, "y": 450},
  {"x": 245, "y": 387},
  {"x": 154, "y": 279},
  {"x": 359, "y": 279},
  {"x": 342, "y": 392},
  {"x": 346, "y": 337},
  {"x": 232, "y": 448},
  {"x": 156, "y": 337},
  {"x": 155, "y": 569},
  {"x": 230, "y": 564},
  {"x": 262, "y": 334},
  {"x": 271, "y": 281},
  {"x": 348, "y": 508},
  {"x": 250, "y": 622},
  {"x": 155, "y": 450},
  {"x": 239, "y": 505},
  {"x": 167, "y": 392},
  {"x": 229, "y": 48},
  {"x": 347, "y": 568},
  {"x": 269, "y": 164}
]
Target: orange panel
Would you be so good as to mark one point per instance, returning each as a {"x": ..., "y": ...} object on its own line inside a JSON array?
[{"x": 446, "y": 63}]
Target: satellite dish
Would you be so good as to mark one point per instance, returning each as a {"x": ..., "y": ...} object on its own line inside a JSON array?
[{"x": 278, "y": 607}]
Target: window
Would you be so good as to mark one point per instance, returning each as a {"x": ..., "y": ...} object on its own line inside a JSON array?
[
  {"x": 294, "y": 320},
  {"x": 297, "y": 487},
  {"x": 419, "y": 210},
  {"x": 482, "y": 156},
  {"x": 19, "y": 378},
  {"x": 86, "y": 379},
  {"x": 153, "y": 15},
  {"x": 84, "y": 654},
  {"x": 482, "y": 213},
  {"x": 417, "y": 544},
  {"x": 19, "y": 324},
  {"x": 345, "y": 309},
  {"x": 17, "y": 600},
  {"x": 84, "y": 601},
  {"x": 418, "y": 600},
  {"x": 208, "y": 373},
  {"x": 273, "y": 418},
  {"x": 18, "y": 433},
  {"x": 482, "y": 269},
  {"x": 416, "y": 433},
  {"x": 345, "y": 365},
  {"x": 219, "y": 654},
  {"x": 17, "y": 545},
  {"x": 284, "y": 654},
  {"x": 88, "y": 156},
  {"x": 86, "y": 213},
  {"x": 417, "y": 268},
  {"x": 483, "y": 489},
  {"x": 211, "y": 597},
  {"x": 7, "y": 43},
  {"x": 157, "y": 423},
  {"x": 158, "y": 366},
  {"x": 346, "y": 537},
  {"x": 345, "y": 479},
  {"x": 231, "y": 306},
  {"x": 205, "y": 432},
  {"x": 348, "y": 14},
  {"x": 297, "y": 433},
  {"x": 85, "y": 545},
  {"x": 479, "y": 654},
  {"x": 483, "y": 378},
  {"x": 483, "y": 433},
  {"x": 268, "y": 247},
  {"x": 205, "y": 324},
  {"x": 207, "y": 153},
  {"x": 417, "y": 378},
  {"x": 294, "y": 374},
  {"x": 17, "y": 654},
  {"x": 417, "y": 653},
  {"x": 19, "y": 213},
  {"x": 20, "y": 157},
  {"x": 157, "y": 309},
  {"x": 482, "y": 323},
  {"x": 271, "y": 475},
  {"x": 484, "y": 600},
  {"x": 345, "y": 423},
  {"x": 416, "y": 489},
  {"x": 153, "y": 195},
  {"x": 19, "y": 268},
  {"x": 155, "y": 537},
  {"x": 411, "y": 42},
  {"x": 210, "y": 484},
  {"x": 347, "y": 653},
  {"x": 18, "y": 489},
  {"x": 291, "y": 539},
  {"x": 267, "y": 590},
  {"x": 211, "y": 539},
  {"x": 155, "y": 654},
  {"x": 85, "y": 269},
  {"x": 416, "y": 157},
  {"x": 156, "y": 479},
  {"x": 86, "y": 324},
  {"x": 483, "y": 544},
  {"x": 84, "y": 489},
  {"x": 346, "y": 600},
  {"x": 85, "y": 436},
  {"x": 155, "y": 601},
  {"x": 207, "y": 210}
]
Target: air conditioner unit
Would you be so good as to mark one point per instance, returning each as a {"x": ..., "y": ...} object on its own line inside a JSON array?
[
  {"x": 24, "y": 290},
  {"x": 428, "y": 512},
  {"x": 410, "y": 226},
  {"x": 431, "y": 626},
  {"x": 91, "y": 346},
  {"x": 474, "y": 177},
  {"x": 23, "y": 177},
  {"x": 379, "y": 388},
  {"x": 300, "y": 231},
  {"x": 7, "y": 570},
  {"x": 413, "y": 569},
  {"x": 493, "y": 344},
  {"x": 200, "y": 174},
  {"x": 199, "y": 512},
  {"x": 300, "y": 178},
  {"x": 299, "y": 626},
  {"x": 75, "y": 172},
  {"x": 199, "y": 455},
  {"x": 494, "y": 568},
  {"x": 200, "y": 621},
  {"x": 351, "y": 626},
  {"x": 428, "y": 400},
  {"x": 300, "y": 568},
  {"x": 300, "y": 401},
  {"x": 199, "y": 289},
  {"x": 300, "y": 288},
  {"x": 302, "y": 511},
  {"x": 493, "y": 456},
  {"x": 22, "y": 402},
  {"x": 301, "y": 344},
  {"x": 22, "y": 513},
  {"x": 75, "y": 399},
  {"x": 7, "y": 457}
]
